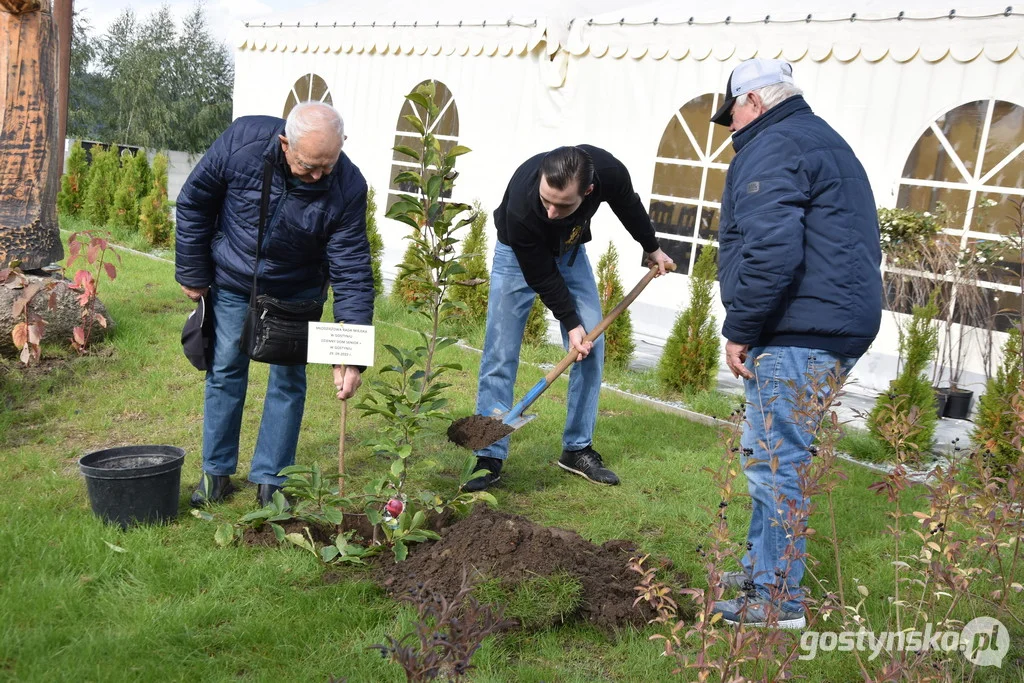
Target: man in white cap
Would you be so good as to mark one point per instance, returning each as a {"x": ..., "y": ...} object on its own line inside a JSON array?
[{"x": 799, "y": 271}]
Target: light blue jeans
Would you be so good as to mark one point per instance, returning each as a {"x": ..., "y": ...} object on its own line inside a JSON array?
[
  {"x": 226, "y": 384},
  {"x": 788, "y": 436},
  {"x": 508, "y": 307}
]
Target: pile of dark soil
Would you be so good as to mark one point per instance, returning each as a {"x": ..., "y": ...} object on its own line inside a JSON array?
[{"x": 512, "y": 549}]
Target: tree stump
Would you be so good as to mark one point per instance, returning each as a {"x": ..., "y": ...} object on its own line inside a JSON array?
[{"x": 30, "y": 150}]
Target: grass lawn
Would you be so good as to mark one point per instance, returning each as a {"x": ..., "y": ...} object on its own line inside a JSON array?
[{"x": 86, "y": 602}]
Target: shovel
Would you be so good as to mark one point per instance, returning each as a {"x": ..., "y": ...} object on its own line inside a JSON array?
[{"x": 479, "y": 431}]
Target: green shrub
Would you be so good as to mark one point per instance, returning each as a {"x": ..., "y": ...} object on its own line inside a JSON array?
[
  {"x": 689, "y": 361},
  {"x": 903, "y": 230},
  {"x": 73, "y": 184},
  {"x": 408, "y": 287},
  {"x": 618, "y": 338},
  {"x": 536, "y": 332},
  {"x": 125, "y": 211},
  {"x": 376, "y": 241},
  {"x": 102, "y": 183},
  {"x": 143, "y": 173},
  {"x": 474, "y": 260},
  {"x": 911, "y": 392},
  {"x": 997, "y": 423},
  {"x": 155, "y": 221}
]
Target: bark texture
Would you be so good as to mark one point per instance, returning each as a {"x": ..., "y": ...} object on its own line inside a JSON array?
[{"x": 30, "y": 151}]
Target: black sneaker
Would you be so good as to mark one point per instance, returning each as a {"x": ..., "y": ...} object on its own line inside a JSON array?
[
  {"x": 493, "y": 476},
  {"x": 586, "y": 462},
  {"x": 212, "y": 488}
]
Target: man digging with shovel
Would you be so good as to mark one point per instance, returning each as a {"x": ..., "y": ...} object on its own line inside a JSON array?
[{"x": 543, "y": 222}]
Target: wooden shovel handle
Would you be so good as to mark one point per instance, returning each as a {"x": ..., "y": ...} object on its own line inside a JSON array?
[{"x": 570, "y": 357}]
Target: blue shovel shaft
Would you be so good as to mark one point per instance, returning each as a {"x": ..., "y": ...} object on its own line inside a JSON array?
[{"x": 531, "y": 396}]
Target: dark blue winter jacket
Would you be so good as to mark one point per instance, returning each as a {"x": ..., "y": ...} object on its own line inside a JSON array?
[
  {"x": 313, "y": 232},
  {"x": 800, "y": 254}
]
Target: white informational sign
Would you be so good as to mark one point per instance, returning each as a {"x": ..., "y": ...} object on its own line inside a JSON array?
[{"x": 340, "y": 344}]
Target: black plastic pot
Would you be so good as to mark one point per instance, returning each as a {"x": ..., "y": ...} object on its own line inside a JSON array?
[
  {"x": 134, "y": 484},
  {"x": 941, "y": 397},
  {"x": 958, "y": 405}
]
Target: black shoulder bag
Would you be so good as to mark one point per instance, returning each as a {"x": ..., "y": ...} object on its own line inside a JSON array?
[{"x": 276, "y": 331}]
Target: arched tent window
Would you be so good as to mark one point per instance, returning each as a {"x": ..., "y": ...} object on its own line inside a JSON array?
[
  {"x": 969, "y": 165},
  {"x": 309, "y": 87},
  {"x": 689, "y": 176},
  {"x": 445, "y": 128}
]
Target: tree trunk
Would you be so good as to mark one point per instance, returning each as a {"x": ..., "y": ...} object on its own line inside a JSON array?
[
  {"x": 63, "y": 12},
  {"x": 29, "y": 148}
]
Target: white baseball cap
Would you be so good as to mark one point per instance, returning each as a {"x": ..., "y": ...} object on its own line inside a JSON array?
[{"x": 751, "y": 75}]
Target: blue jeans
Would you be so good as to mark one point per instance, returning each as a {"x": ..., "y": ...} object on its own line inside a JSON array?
[
  {"x": 771, "y": 401},
  {"x": 508, "y": 307},
  {"x": 226, "y": 384}
]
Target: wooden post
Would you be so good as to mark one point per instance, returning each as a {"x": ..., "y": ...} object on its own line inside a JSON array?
[{"x": 29, "y": 149}]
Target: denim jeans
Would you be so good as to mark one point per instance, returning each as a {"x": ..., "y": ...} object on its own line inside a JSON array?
[
  {"x": 788, "y": 436},
  {"x": 508, "y": 307},
  {"x": 226, "y": 384}
]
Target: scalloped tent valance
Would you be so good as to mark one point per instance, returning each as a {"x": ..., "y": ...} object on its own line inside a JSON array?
[{"x": 732, "y": 29}]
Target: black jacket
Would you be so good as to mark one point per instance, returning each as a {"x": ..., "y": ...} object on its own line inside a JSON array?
[{"x": 539, "y": 241}]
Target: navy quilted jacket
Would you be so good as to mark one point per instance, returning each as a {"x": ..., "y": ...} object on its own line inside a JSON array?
[
  {"x": 800, "y": 254},
  {"x": 314, "y": 231}
]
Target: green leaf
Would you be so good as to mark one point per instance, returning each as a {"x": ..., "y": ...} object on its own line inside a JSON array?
[
  {"x": 415, "y": 122},
  {"x": 397, "y": 468},
  {"x": 419, "y": 99},
  {"x": 278, "y": 532},
  {"x": 408, "y": 177},
  {"x": 328, "y": 553},
  {"x": 334, "y": 515},
  {"x": 407, "y": 151},
  {"x": 434, "y": 186},
  {"x": 301, "y": 541},
  {"x": 200, "y": 514},
  {"x": 487, "y": 498},
  {"x": 225, "y": 535},
  {"x": 401, "y": 551},
  {"x": 418, "y": 519},
  {"x": 373, "y": 516},
  {"x": 458, "y": 150},
  {"x": 115, "y": 548}
]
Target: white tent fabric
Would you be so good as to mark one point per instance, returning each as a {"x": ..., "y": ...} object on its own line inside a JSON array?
[{"x": 538, "y": 74}]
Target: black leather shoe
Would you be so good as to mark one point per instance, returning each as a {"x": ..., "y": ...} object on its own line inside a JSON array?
[
  {"x": 493, "y": 476},
  {"x": 586, "y": 462},
  {"x": 265, "y": 493},
  {"x": 212, "y": 488}
]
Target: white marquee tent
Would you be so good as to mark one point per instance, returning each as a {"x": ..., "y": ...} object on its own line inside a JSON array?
[{"x": 930, "y": 97}]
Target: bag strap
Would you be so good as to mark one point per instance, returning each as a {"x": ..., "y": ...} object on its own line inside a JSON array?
[{"x": 268, "y": 178}]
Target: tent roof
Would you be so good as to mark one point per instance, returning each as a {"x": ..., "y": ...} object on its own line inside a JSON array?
[{"x": 792, "y": 29}]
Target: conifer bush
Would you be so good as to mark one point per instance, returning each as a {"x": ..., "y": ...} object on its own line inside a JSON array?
[
  {"x": 690, "y": 359},
  {"x": 102, "y": 183},
  {"x": 143, "y": 173},
  {"x": 406, "y": 289},
  {"x": 998, "y": 422},
  {"x": 73, "y": 184},
  {"x": 155, "y": 221},
  {"x": 618, "y": 338},
  {"x": 125, "y": 212},
  {"x": 911, "y": 398},
  {"x": 473, "y": 294},
  {"x": 536, "y": 332},
  {"x": 376, "y": 241}
]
